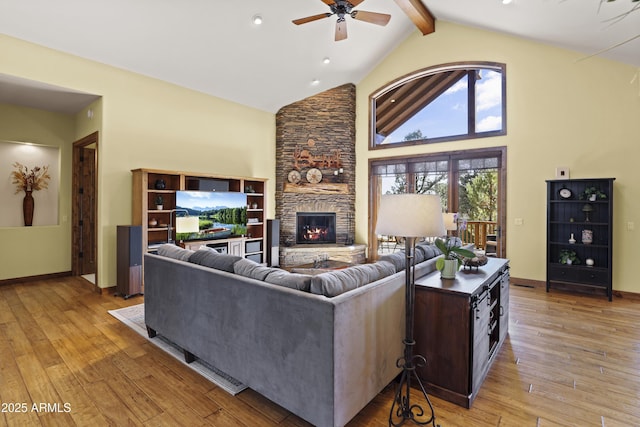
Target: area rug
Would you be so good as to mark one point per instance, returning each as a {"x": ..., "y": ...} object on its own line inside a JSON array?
[{"x": 133, "y": 317}]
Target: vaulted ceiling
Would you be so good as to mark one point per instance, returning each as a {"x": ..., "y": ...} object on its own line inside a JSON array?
[{"x": 214, "y": 47}]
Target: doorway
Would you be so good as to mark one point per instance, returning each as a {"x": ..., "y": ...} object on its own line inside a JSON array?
[
  {"x": 471, "y": 183},
  {"x": 84, "y": 245}
]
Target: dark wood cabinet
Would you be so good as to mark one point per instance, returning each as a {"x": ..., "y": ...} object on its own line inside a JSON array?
[
  {"x": 460, "y": 325},
  {"x": 580, "y": 228}
]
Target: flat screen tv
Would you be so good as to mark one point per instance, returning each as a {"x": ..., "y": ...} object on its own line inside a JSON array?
[{"x": 220, "y": 214}]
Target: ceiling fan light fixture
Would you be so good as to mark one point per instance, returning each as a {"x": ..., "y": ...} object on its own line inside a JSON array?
[
  {"x": 315, "y": 82},
  {"x": 341, "y": 9},
  {"x": 326, "y": 60},
  {"x": 256, "y": 19},
  {"x": 507, "y": 1}
]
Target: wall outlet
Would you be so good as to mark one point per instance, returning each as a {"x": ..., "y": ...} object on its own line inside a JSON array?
[
  {"x": 630, "y": 226},
  {"x": 518, "y": 221}
]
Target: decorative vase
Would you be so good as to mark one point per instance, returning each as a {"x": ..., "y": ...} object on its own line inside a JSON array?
[
  {"x": 27, "y": 208},
  {"x": 160, "y": 184},
  {"x": 450, "y": 268},
  {"x": 587, "y": 237}
]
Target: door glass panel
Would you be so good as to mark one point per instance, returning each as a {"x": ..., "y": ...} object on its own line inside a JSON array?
[
  {"x": 467, "y": 183},
  {"x": 478, "y": 207}
]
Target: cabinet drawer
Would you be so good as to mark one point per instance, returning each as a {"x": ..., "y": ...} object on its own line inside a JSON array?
[
  {"x": 562, "y": 273},
  {"x": 593, "y": 276}
]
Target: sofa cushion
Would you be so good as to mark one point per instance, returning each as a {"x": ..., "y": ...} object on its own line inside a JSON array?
[
  {"x": 175, "y": 252},
  {"x": 247, "y": 268},
  {"x": 211, "y": 258},
  {"x": 334, "y": 283},
  {"x": 397, "y": 259},
  {"x": 427, "y": 251},
  {"x": 284, "y": 278}
]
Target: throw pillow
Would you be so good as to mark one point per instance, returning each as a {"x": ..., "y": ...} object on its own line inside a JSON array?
[
  {"x": 301, "y": 282},
  {"x": 175, "y": 252},
  {"x": 211, "y": 258},
  {"x": 253, "y": 270}
]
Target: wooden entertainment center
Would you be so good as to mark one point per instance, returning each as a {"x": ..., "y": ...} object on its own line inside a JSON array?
[{"x": 158, "y": 222}]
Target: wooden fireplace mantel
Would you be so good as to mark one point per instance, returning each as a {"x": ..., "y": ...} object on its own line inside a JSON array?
[{"x": 320, "y": 188}]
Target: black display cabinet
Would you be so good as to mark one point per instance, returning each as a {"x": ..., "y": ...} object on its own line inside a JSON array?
[{"x": 580, "y": 234}]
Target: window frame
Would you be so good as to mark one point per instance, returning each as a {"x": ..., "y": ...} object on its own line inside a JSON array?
[{"x": 442, "y": 68}]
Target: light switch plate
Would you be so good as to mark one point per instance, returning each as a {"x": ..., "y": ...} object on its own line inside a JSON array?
[{"x": 562, "y": 172}]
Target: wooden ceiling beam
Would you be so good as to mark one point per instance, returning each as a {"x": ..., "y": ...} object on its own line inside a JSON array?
[{"x": 419, "y": 14}]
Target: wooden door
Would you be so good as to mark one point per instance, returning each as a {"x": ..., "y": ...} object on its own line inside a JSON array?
[{"x": 84, "y": 226}]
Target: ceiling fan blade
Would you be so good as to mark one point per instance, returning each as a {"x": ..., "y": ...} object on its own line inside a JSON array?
[
  {"x": 328, "y": 2},
  {"x": 311, "y": 18},
  {"x": 354, "y": 3},
  {"x": 341, "y": 30},
  {"x": 371, "y": 17}
]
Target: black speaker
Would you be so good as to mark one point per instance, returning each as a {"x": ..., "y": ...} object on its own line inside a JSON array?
[
  {"x": 129, "y": 260},
  {"x": 273, "y": 243},
  {"x": 205, "y": 184}
]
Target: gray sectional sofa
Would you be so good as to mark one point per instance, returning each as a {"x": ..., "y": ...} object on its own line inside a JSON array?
[{"x": 320, "y": 346}]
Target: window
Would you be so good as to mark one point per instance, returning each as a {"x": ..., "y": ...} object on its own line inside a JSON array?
[
  {"x": 444, "y": 103},
  {"x": 471, "y": 183}
]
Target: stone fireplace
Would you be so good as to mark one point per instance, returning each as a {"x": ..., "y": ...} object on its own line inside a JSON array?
[
  {"x": 315, "y": 173},
  {"x": 315, "y": 227}
]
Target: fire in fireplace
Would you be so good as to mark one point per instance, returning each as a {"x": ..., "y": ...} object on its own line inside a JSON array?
[{"x": 315, "y": 227}]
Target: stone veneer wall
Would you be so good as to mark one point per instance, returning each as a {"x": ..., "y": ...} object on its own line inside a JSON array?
[{"x": 319, "y": 124}]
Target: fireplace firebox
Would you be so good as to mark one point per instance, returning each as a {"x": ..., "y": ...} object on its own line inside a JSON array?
[{"x": 315, "y": 227}]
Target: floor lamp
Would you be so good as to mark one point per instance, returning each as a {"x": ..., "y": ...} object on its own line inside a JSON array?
[
  {"x": 410, "y": 216},
  {"x": 184, "y": 224}
]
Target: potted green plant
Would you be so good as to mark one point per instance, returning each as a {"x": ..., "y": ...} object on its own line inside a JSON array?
[
  {"x": 568, "y": 257},
  {"x": 159, "y": 202},
  {"x": 451, "y": 262},
  {"x": 592, "y": 194}
]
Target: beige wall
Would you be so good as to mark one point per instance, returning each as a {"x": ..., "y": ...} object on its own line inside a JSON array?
[
  {"x": 31, "y": 251},
  {"x": 144, "y": 123},
  {"x": 560, "y": 112}
]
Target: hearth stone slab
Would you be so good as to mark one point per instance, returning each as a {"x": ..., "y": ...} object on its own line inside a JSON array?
[{"x": 291, "y": 256}]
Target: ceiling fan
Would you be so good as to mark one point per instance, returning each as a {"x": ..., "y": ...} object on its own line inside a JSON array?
[{"x": 342, "y": 8}]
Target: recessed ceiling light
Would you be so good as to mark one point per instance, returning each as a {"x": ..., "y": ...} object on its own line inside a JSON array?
[
  {"x": 507, "y": 1},
  {"x": 315, "y": 82},
  {"x": 326, "y": 60},
  {"x": 256, "y": 19}
]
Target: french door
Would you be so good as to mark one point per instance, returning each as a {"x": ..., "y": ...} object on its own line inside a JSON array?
[{"x": 471, "y": 183}]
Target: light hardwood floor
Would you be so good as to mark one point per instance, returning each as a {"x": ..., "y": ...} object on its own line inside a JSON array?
[{"x": 569, "y": 360}]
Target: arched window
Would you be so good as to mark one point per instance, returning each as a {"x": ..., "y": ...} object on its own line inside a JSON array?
[{"x": 443, "y": 103}]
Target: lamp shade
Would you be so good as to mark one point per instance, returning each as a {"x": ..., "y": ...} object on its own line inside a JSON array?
[
  {"x": 410, "y": 215},
  {"x": 450, "y": 221},
  {"x": 187, "y": 224}
]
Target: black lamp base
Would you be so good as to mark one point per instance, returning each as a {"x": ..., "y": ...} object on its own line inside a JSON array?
[{"x": 402, "y": 409}]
